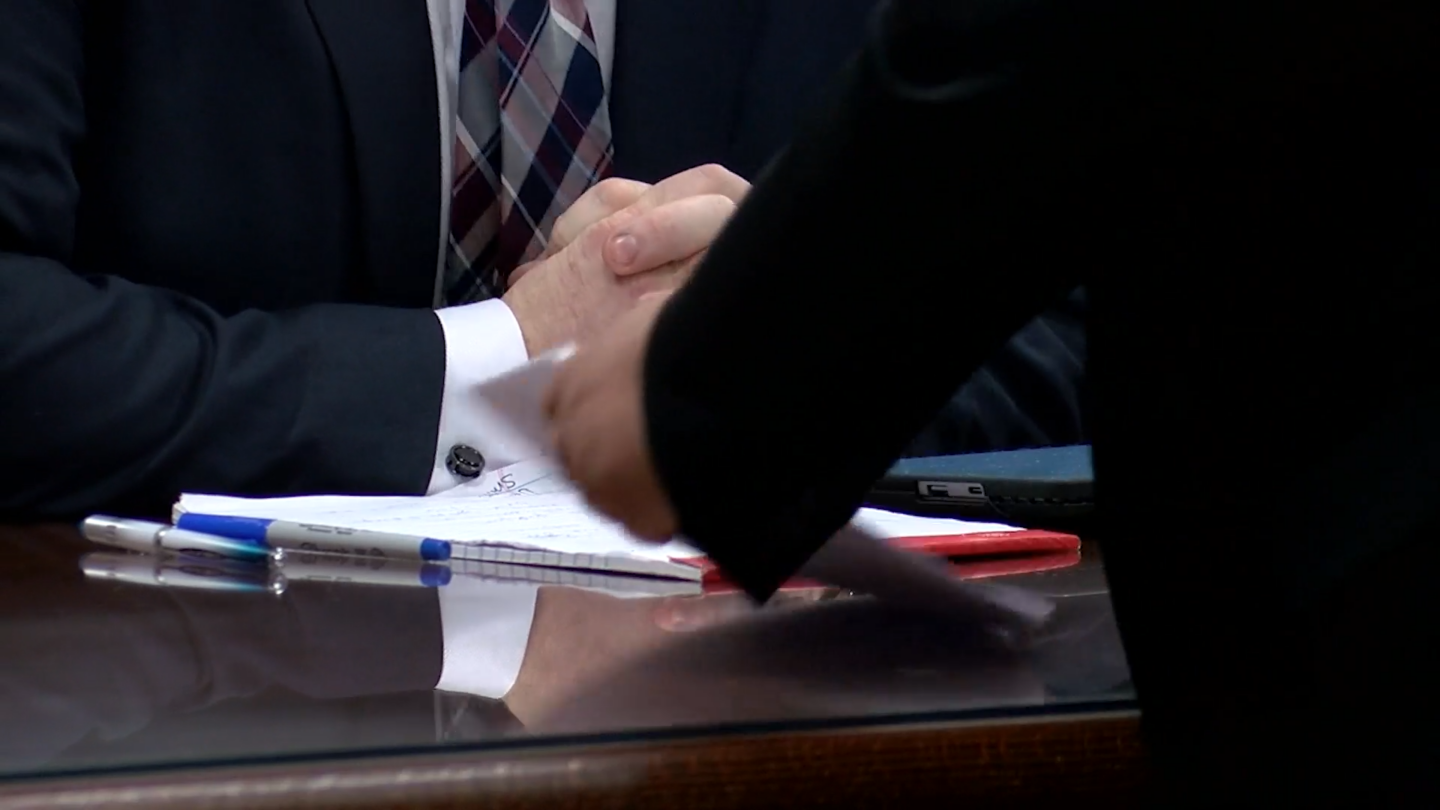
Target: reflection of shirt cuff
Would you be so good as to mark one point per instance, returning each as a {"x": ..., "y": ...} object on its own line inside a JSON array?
[
  {"x": 485, "y": 627},
  {"x": 481, "y": 341}
]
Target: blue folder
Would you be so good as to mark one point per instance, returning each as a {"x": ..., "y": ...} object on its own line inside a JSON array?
[{"x": 1043, "y": 488}]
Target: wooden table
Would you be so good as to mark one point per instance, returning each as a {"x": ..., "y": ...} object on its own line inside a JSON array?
[{"x": 119, "y": 694}]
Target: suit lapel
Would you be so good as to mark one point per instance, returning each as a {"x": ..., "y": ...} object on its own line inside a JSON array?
[
  {"x": 384, "y": 62},
  {"x": 676, "y": 82}
]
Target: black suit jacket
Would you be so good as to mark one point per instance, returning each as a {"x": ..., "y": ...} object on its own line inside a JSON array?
[
  {"x": 218, "y": 228},
  {"x": 1249, "y": 193}
]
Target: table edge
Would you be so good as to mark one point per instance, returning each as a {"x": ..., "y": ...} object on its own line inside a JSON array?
[{"x": 1027, "y": 760}]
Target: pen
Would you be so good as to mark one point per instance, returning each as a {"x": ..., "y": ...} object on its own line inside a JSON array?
[
  {"x": 364, "y": 570},
  {"x": 173, "y": 571},
  {"x": 284, "y": 534},
  {"x": 152, "y": 538}
]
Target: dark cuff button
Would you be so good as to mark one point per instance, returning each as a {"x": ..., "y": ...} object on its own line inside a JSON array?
[{"x": 465, "y": 461}]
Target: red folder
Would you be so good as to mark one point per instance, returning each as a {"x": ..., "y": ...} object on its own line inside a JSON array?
[{"x": 972, "y": 556}]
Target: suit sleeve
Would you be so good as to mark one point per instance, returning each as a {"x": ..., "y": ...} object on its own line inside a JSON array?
[
  {"x": 1030, "y": 393},
  {"x": 968, "y": 157},
  {"x": 118, "y": 396}
]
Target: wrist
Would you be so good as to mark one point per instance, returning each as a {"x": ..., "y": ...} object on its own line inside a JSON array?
[{"x": 522, "y": 308}]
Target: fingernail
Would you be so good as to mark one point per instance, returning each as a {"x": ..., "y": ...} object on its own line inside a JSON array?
[{"x": 623, "y": 249}]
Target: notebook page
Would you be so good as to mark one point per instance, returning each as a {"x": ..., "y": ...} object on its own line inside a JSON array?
[
  {"x": 615, "y": 585},
  {"x": 558, "y": 521}
]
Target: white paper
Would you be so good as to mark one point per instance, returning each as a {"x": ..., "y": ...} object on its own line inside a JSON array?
[
  {"x": 884, "y": 524},
  {"x": 516, "y": 397}
]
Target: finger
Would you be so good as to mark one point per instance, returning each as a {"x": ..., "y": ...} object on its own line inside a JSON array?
[
  {"x": 649, "y": 528},
  {"x": 645, "y": 521},
  {"x": 647, "y": 518},
  {"x": 600, "y": 201},
  {"x": 650, "y": 289},
  {"x": 671, "y": 233},
  {"x": 558, "y": 447},
  {"x": 711, "y": 178}
]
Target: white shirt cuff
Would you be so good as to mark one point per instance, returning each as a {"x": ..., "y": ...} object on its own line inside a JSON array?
[
  {"x": 485, "y": 627},
  {"x": 482, "y": 341}
]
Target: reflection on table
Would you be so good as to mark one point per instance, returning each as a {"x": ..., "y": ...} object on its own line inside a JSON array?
[{"x": 104, "y": 673}]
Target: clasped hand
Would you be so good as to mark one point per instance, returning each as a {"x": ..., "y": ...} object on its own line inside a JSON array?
[{"x": 620, "y": 242}]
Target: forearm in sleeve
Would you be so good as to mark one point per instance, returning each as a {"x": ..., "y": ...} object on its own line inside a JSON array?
[
  {"x": 119, "y": 396},
  {"x": 915, "y": 225}
]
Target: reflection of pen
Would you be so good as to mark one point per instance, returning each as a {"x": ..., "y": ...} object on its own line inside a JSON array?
[
  {"x": 310, "y": 537},
  {"x": 175, "y": 571},
  {"x": 152, "y": 538},
  {"x": 299, "y": 565}
]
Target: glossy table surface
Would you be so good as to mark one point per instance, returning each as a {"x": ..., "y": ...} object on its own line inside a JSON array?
[{"x": 103, "y": 677}]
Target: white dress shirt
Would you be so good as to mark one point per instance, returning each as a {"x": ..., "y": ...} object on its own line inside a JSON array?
[{"x": 485, "y": 625}]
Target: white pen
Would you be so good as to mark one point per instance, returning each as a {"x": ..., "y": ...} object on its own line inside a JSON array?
[
  {"x": 153, "y": 538},
  {"x": 174, "y": 571}
]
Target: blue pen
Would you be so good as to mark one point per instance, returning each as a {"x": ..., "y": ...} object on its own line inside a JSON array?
[
  {"x": 364, "y": 570},
  {"x": 284, "y": 534}
]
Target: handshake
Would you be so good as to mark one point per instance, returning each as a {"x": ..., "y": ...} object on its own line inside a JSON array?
[{"x": 622, "y": 242}]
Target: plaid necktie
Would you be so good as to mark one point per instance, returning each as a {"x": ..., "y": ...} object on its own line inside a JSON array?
[{"x": 532, "y": 134}]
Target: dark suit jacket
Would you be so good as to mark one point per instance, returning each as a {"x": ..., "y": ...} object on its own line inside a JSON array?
[
  {"x": 1248, "y": 191},
  {"x": 218, "y": 227}
]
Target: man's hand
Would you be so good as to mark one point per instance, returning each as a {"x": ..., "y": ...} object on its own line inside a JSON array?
[
  {"x": 597, "y": 413},
  {"x": 620, "y": 241},
  {"x": 579, "y": 637},
  {"x": 686, "y": 614}
]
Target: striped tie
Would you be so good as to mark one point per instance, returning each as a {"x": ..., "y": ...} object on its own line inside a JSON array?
[{"x": 532, "y": 134}]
